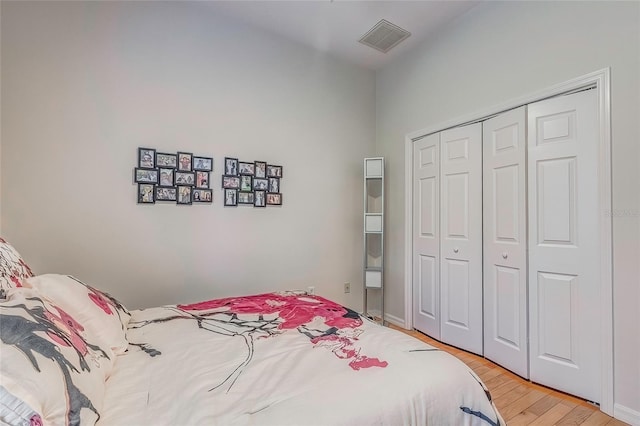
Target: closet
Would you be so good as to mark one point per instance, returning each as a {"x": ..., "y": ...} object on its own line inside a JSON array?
[{"x": 505, "y": 240}]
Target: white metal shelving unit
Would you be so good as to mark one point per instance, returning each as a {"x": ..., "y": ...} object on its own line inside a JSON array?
[{"x": 373, "y": 261}]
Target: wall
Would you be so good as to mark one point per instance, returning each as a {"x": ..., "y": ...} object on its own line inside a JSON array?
[
  {"x": 86, "y": 83},
  {"x": 504, "y": 50}
]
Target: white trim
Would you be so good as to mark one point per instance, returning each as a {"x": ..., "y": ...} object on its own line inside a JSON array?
[
  {"x": 396, "y": 321},
  {"x": 408, "y": 238},
  {"x": 625, "y": 414},
  {"x": 601, "y": 81},
  {"x": 603, "y": 86}
]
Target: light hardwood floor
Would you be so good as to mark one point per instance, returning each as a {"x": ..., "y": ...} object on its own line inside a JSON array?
[{"x": 521, "y": 402}]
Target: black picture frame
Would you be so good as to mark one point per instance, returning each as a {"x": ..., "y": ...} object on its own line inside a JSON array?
[
  {"x": 274, "y": 199},
  {"x": 246, "y": 168},
  {"x": 230, "y": 182},
  {"x": 204, "y": 164},
  {"x": 260, "y": 199},
  {"x": 230, "y": 197},
  {"x": 245, "y": 197},
  {"x": 184, "y": 194},
  {"x": 260, "y": 169},
  {"x": 146, "y": 158},
  {"x": 274, "y": 184},
  {"x": 202, "y": 195},
  {"x": 274, "y": 171},
  {"x": 143, "y": 175},
  {"x": 166, "y": 193},
  {"x": 166, "y": 176},
  {"x": 146, "y": 193},
  {"x": 184, "y": 178},
  {"x": 260, "y": 184},
  {"x": 230, "y": 166},
  {"x": 202, "y": 179},
  {"x": 185, "y": 161},
  {"x": 166, "y": 160},
  {"x": 246, "y": 183}
]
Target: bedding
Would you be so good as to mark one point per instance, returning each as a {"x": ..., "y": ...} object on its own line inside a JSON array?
[
  {"x": 271, "y": 359},
  {"x": 13, "y": 268},
  {"x": 104, "y": 316},
  {"x": 284, "y": 359},
  {"x": 53, "y": 370}
]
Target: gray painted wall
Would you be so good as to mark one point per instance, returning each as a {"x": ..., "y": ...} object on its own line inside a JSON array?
[
  {"x": 504, "y": 50},
  {"x": 86, "y": 83}
]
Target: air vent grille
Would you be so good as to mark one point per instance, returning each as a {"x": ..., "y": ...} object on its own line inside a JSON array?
[{"x": 384, "y": 35}]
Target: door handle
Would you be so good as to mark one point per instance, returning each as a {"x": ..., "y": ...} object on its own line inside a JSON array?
[
  {"x": 455, "y": 250},
  {"x": 505, "y": 255}
]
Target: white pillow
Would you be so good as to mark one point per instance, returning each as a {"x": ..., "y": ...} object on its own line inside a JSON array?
[
  {"x": 101, "y": 314},
  {"x": 52, "y": 371},
  {"x": 13, "y": 268}
]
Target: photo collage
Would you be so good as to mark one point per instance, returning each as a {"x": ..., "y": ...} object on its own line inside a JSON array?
[
  {"x": 251, "y": 183},
  {"x": 181, "y": 178}
]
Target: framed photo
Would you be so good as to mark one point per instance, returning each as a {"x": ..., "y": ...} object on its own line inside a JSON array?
[
  {"x": 146, "y": 158},
  {"x": 245, "y": 197},
  {"x": 247, "y": 168},
  {"x": 166, "y": 177},
  {"x": 145, "y": 193},
  {"x": 230, "y": 182},
  {"x": 274, "y": 184},
  {"x": 202, "y": 179},
  {"x": 166, "y": 160},
  {"x": 185, "y": 160},
  {"x": 184, "y": 195},
  {"x": 230, "y": 197},
  {"x": 274, "y": 171},
  {"x": 274, "y": 199},
  {"x": 202, "y": 196},
  {"x": 203, "y": 163},
  {"x": 185, "y": 178},
  {"x": 260, "y": 199},
  {"x": 145, "y": 175},
  {"x": 261, "y": 169},
  {"x": 260, "y": 184},
  {"x": 166, "y": 194},
  {"x": 230, "y": 166},
  {"x": 245, "y": 183}
]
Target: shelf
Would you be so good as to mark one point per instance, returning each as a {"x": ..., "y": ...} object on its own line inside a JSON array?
[
  {"x": 373, "y": 222},
  {"x": 373, "y": 234},
  {"x": 373, "y": 167},
  {"x": 373, "y": 279}
]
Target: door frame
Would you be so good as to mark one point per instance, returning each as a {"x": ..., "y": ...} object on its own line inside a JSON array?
[{"x": 601, "y": 82}]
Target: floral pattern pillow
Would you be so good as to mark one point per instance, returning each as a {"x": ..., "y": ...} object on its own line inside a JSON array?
[
  {"x": 100, "y": 313},
  {"x": 13, "y": 268},
  {"x": 52, "y": 370}
]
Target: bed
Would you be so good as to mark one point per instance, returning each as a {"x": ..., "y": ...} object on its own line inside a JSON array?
[{"x": 72, "y": 354}]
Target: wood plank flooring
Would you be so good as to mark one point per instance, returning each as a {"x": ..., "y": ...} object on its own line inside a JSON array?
[{"x": 521, "y": 402}]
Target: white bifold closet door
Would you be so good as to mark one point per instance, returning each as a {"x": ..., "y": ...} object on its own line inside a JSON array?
[
  {"x": 461, "y": 237},
  {"x": 505, "y": 241},
  {"x": 564, "y": 263},
  {"x": 426, "y": 235}
]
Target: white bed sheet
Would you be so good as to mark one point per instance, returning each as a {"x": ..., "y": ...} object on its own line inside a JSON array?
[{"x": 227, "y": 370}]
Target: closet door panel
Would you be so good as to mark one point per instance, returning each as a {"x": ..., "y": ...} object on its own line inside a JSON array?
[
  {"x": 564, "y": 271},
  {"x": 461, "y": 237},
  {"x": 505, "y": 262},
  {"x": 426, "y": 235}
]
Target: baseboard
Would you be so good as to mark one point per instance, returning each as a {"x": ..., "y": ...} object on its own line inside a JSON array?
[
  {"x": 395, "y": 320},
  {"x": 388, "y": 317},
  {"x": 627, "y": 415}
]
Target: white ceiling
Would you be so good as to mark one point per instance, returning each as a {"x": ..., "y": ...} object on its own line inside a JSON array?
[{"x": 336, "y": 26}]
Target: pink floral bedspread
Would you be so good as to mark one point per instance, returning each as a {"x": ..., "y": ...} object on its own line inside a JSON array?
[{"x": 284, "y": 359}]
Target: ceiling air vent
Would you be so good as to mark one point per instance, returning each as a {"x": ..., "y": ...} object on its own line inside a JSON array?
[{"x": 384, "y": 35}]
